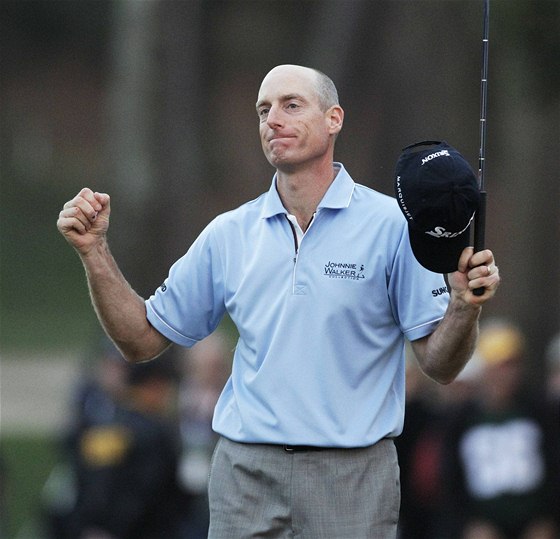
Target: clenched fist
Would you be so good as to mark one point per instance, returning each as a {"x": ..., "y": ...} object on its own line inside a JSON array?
[{"x": 84, "y": 220}]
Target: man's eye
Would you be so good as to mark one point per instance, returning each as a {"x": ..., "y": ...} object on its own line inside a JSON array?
[
  {"x": 263, "y": 112},
  {"x": 293, "y": 105}
]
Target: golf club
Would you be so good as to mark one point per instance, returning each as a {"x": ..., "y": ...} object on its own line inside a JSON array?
[{"x": 480, "y": 216}]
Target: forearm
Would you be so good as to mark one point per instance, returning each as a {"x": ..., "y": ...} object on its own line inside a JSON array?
[
  {"x": 446, "y": 351},
  {"x": 120, "y": 309}
]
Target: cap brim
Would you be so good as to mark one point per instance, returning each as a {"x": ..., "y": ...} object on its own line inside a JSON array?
[{"x": 440, "y": 255}]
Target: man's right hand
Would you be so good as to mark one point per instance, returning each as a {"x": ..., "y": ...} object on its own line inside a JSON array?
[{"x": 84, "y": 220}]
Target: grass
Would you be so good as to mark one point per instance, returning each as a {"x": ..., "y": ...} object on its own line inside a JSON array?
[{"x": 27, "y": 461}]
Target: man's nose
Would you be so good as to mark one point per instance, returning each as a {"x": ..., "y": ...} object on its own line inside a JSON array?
[{"x": 274, "y": 117}]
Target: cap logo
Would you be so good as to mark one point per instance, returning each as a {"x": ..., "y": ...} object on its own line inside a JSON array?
[
  {"x": 441, "y": 153},
  {"x": 440, "y": 232},
  {"x": 401, "y": 200}
]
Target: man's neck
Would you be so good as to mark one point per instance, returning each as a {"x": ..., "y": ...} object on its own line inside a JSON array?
[{"x": 302, "y": 191}]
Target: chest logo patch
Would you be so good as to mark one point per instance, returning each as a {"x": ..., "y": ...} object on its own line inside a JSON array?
[{"x": 344, "y": 270}]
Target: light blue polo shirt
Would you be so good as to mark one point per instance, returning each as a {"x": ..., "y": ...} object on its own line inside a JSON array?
[{"x": 320, "y": 356}]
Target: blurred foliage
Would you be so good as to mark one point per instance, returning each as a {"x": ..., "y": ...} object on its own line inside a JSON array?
[
  {"x": 27, "y": 461},
  {"x": 405, "y": 70},
  {"x": 154, "y": 103},
  {"x": 45, "y": 301}
]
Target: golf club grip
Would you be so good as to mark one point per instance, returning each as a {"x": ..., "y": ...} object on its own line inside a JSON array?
[{"x": 479, "y": 230}]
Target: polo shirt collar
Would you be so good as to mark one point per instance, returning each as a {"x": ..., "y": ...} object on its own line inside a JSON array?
[{"x": 338, "y": 194}]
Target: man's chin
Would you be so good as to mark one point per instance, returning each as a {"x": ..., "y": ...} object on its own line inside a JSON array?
[
  {"x": 278, "y": 159},
  {"x": 283, "y": 164}
]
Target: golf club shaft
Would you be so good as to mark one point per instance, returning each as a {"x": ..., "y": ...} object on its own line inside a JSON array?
[{"x": 480, "y": 216}]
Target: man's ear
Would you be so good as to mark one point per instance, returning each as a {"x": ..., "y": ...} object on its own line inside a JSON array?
[{"x": 335, "y": 118}]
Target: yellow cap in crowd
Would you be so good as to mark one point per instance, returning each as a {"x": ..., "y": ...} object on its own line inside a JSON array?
[{"x": 500, "y": 343}]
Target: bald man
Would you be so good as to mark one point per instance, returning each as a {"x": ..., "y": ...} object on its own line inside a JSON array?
[{"x": 319, "y": 279}]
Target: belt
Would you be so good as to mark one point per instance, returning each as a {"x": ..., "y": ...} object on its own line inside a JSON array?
[{"x": 303, "y": 448}]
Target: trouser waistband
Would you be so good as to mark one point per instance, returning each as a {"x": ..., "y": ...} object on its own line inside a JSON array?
[{"x": 303, "y": 448}]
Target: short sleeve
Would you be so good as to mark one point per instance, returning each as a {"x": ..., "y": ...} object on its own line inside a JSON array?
[
  {"x": 190, "y": 303},
  {"x": 419, "y": 297}
]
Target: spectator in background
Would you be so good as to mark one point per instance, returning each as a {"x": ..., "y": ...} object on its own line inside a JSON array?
[
  {"x": 93, "y": 402},
  {"x": 127, "y": 464},
  {"x": 501, "y": 450},
  {"x": 96, "y": 397},
  {"x": 553, "y": 369},
  {"x": 419, "y": 449},
  {"x": 552, "y": 357},
  {"x": 206, "y": 366}
]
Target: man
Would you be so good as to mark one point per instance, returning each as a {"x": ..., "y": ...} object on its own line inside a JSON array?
[
  {"x": 126, "y": 463},
  {"x": 501, "y": 450},
  {"x": 318, "y": 277}
]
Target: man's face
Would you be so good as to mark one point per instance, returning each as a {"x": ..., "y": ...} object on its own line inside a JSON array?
[{"x": 293, "y": 128}]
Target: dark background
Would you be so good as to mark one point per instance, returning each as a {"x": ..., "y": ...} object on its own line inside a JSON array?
[{"x": 153, "y": 102}]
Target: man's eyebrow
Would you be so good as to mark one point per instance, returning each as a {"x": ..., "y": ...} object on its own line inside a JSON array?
[
  {"x": 289, "y": 97},
  {"x": 284, "y": 98},
  {"x": 261, "y": 102}
]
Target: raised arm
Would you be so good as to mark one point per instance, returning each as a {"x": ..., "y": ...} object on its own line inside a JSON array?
[
  {"x": 443, "y": 354},
  {"x": 84, "y": 222}
]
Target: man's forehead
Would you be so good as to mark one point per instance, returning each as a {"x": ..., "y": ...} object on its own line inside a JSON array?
[
  {"x": 287, "y": 80},
  {"x": 291, "y": 70}
]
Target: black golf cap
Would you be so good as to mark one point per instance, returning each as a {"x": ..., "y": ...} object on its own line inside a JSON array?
[{"x": 438, "y": 193}]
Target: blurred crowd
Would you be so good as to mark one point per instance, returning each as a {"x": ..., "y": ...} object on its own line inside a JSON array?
[
  {"x": 480, "y": 458},
  {"x": 135, "y": 458}
]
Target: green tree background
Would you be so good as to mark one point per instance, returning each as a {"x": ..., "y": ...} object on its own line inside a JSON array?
[{"x": 153, "y": 102}]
